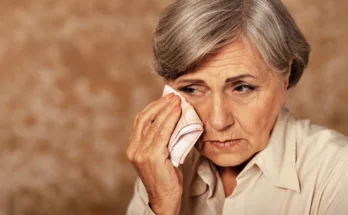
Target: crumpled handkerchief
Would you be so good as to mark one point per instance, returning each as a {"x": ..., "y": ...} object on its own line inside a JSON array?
[{"x": 187, "y": 131}]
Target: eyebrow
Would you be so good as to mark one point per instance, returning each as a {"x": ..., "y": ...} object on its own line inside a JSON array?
[
  {"x": 231, "y": 79},
  {"x": 238, "y": 77},
  {"x": 191, "y": 81}
]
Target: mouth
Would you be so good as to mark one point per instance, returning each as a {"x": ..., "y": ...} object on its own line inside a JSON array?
[{"x": 223, "y": 144}]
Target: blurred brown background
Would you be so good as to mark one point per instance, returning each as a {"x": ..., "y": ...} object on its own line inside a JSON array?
[{"x": 73, "y": 74}]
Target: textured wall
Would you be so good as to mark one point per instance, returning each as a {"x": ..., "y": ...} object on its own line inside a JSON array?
[{"x": 73, "y": 74}]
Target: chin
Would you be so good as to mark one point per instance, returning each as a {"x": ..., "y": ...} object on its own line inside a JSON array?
[
  {"x": 226, "y": 160},
  {"x": 225, "y": 157}
]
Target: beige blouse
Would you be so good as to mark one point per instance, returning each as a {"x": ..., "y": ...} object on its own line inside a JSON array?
[{"x": 303, "y": 170}]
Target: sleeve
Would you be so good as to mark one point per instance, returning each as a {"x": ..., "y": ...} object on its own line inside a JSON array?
[
  {"x": 339, "y": 206},
  {"x": 139, "y": 202},
  {"x": 335, "y": 200}
]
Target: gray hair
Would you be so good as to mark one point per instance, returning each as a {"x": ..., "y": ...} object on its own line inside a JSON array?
[{"x": 190, "y": 30}]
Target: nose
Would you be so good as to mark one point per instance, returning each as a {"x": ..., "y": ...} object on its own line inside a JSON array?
[{"x": 221, "y": 117}]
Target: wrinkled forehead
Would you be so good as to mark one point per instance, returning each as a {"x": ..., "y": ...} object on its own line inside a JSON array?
[{"x": 237, "y": 58}]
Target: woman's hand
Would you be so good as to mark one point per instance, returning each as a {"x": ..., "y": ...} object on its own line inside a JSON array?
[{"x": 148, "y": 151}]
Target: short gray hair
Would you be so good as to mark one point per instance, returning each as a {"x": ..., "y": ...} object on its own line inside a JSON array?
[{"x": 190, "y": 30}]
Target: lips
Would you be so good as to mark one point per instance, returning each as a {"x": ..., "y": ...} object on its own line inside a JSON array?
[{"x": 226, "y": 143}]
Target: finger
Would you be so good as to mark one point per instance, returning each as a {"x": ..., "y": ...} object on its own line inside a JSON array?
[
  {"x": 163, "y": 115},
  {"x": 141, "y": 124},
  {"x": 150, "y": 113},
  {"x": 160, "y": 101},
  {"x": 156, "y": 150},
  {"x": 144, "y": 118},
  {"x": 164, "y": 98},
  {"x": 161, "y": 130}
]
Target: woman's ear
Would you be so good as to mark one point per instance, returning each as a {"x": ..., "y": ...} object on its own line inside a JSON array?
[
  {"x": 287, "y": 80},
  {"x": 287, "y": 76}
]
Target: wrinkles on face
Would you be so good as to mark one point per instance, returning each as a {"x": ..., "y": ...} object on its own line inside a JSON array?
[{"x": 237, "y": 97}]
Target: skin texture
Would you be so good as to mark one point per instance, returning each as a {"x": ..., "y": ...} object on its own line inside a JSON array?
[
  {"x": 243, "y": 109},
  {"x": 237, "y": 98},
  {"x": 148, "y": 152}
]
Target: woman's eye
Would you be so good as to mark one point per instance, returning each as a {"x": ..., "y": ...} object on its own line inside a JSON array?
[
  {"x": 244, "y": 88},
  {"x": 193, "y": 91},
  {"x": 188, "y": 90}
]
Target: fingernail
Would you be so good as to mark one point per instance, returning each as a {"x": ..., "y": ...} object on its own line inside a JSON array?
[
  {"x": 169, "y": 96},
  {"x": 176, "y": 108},
  {"x": 176, "y": 101}
]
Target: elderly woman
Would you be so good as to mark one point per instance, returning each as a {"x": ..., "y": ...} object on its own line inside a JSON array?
[{"x": 233, "y": 61}]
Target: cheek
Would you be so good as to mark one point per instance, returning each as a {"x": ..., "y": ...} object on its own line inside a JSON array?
[
  {"x": 202, "y": 108},
  {"x": 258, "y": 117},
  {"x": 253, "y": 114}
]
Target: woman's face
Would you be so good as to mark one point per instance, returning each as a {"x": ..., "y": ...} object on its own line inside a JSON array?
[{"x": 238, "y": 98}]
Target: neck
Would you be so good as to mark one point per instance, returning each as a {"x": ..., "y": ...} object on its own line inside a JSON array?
[{"x": 229, "y": 175}]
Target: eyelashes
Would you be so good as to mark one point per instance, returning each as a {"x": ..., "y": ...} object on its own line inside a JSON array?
[
  {"x": 245, "y": 88},
  {"x": 188, "y": 90},
  {"x": 193, "y": 92},
  {"x": 196, "y": 90}
]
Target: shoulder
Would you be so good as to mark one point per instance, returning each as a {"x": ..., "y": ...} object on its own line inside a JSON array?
[
  {"x": 322, "y": 155},
  {"x": 318, "y": 141},
  {"x": 321, "y": 162}
]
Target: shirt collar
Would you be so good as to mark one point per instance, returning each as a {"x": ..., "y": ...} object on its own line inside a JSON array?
[
  {"x": 206, "y": 178},
  {"x": 277, "y": 161}
]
